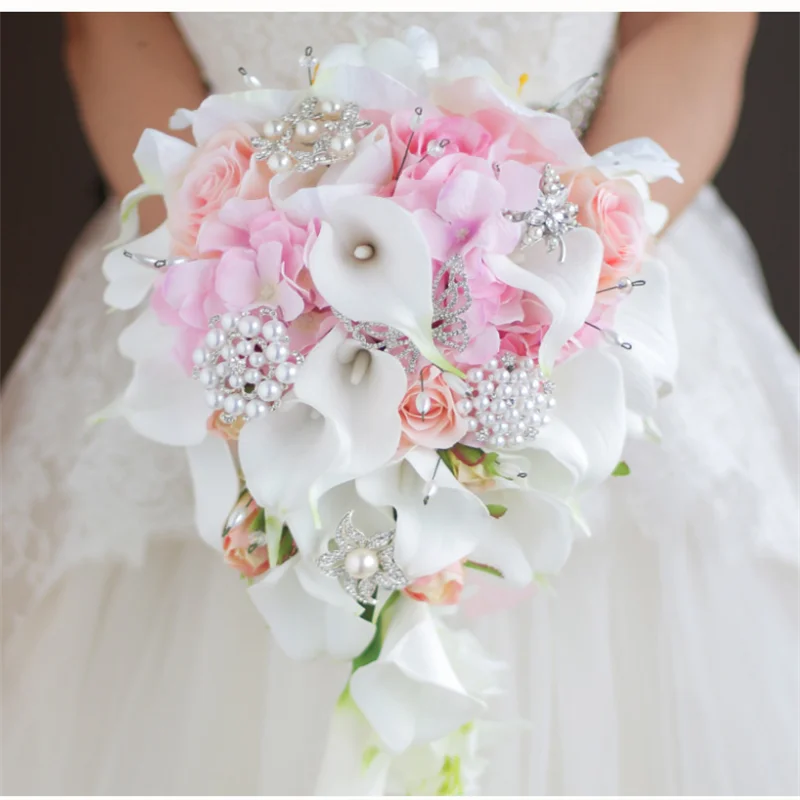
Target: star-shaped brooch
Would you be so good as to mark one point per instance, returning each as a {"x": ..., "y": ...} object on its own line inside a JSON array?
[
  {"x": 362, "y": 563},
  {"x": 552, "y": 218}
]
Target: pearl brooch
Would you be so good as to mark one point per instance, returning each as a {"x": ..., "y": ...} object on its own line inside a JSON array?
[
  {"x": 503, "y": 401},
  {"x": 316, "y": 134},
  {"x": 245, "y": 364},
  {"x": 362, "y": 563}
]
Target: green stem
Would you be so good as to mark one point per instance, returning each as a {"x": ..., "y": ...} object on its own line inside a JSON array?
[
  {"x": 483, "y": 568},
  {"x": 373, "y": 649}
]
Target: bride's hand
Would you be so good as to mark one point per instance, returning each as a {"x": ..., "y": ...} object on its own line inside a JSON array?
[
  {"x": 678, "y": 79},
  {"x": 128, "y": 72}
]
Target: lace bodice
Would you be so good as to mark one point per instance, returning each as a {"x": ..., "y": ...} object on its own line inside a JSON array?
[{"x": 553, "y": 49}]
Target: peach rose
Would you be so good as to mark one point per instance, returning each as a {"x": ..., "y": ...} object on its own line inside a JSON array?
[
  {"x": 225, "y": 430},
  {"x": 441, "y": 426},
  {"x": 615, "y": 210},
  {"x": 442, "y": 589},
  {"x": 221, "y": 168},
  {"x": 240, "y": 552}
]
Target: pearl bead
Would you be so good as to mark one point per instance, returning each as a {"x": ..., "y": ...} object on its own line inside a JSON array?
[
  {"x": 364, "y": 252},
  {"x": 625, "y": 285},
  {"x": 519, "y": 440},
  {"x": 521, "y": 426},
  {"x": 226, "y": 321},
  {"x": 475, "y": 375},
  {"x": 286, "y": 372},
  {"x": 206, "y": 377},
  {"x": 551, "y": 402},
  {"x": 252, "y": 376},
  {"x": 341, "y": 145},
  {"x": 464, "y": 406},
  {"x": 423, "y": 403},
  {"x": 279, "y": 162},
  {"x": 535, "y": 419},
  {"x": 214, "y": 399},
  {"x": 249, "y": 326},
  {"x": 493, "y": 364},
  {"x": 234, "y": 405},
  {"x": 361, "y": 563},
  {"x": 276, "y": 352},
  {"x": 530, "y": 404},
  {"x": 484, "y": 403},
  {"x": 257, "y": 359},
  {"x": 330, "y": 108},
  {"x": 486, "y": 387},
  {"x": 244, "y": 348},
  {"x": 274, "y": 128},
  {"x": 541, "y": 400},
  {"x": 504, "y": 427},
  {"x": 199, "y": 357},
  {"x": 269, "y": 390},
  {"x": 255, "y": 408},
  {"x": 221, "y": 369},
  {"x": 434, "y": 148},
  {"x": 545, "y": 420},
  {"x": 235, "y": 381},
  {"x": 214, "y": 338},
  {"x": 306, "y": 131},
  {"x": 500, "y": 441},
  {"x": 273, "y": 329},
  {"x": 528, "y": 363},
  {"x": 472, "y": 424},
  {"x": 502, "y": 376}
]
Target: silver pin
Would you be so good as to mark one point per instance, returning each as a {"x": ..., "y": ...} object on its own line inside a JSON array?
[
  {"x": 611, "y": 336},
  {"x": 415, "y": 122},
  {"x": 423, "y": 399},
  {"x": 250, "y": 81},
  {"x": 624, "y": 285},
  {"x": 308, "y": 61},
  {"x": 151, "y": 261},
  {"x": 496, "y": 169},
  {"x": 435, "y": 149},
  {"x": 430, "y": 487}
]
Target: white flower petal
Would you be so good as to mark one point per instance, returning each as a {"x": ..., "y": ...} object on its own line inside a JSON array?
[
  {"x": 145, "y": 338},
  {"x": 567, "y": 290},
  {"x": 641, "y": 155},
  {"x": 304, "y": 626},
  {"x": 429, "y": 536},
  {"x": 283, "y": 453},
  {"x": 411, "y": 694},
  {"x": 129, "y": 214},
  {"x": 216, "y": 487},
  {"x": 392, "y": 287},
  {"x": 588, "y": 428},
  {"x": 161, "y": 157},
  {"x": 129, "y": 282},
  {"x": 165, "y": 404},
  {"x": 424, "y": 46},
  {"x": 368, "y": 88}
]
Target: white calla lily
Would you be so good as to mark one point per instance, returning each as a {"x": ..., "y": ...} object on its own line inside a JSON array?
[
  {"x": 163, "y": 402},
  {"x": 566, "y": 289},
  {"x": 307, "y": 624},
  {"x": 640, "y": 156},
  {"x": 372, "y": 263},
  {"x": 412, "y": 694},
  {"x": 128, "y": 281},
  {"x": 587, "y": 431},
  {"x": 430, "y": 536},
  {"x": 216, "y": 487},
  {"x": 368, "y": 88}
]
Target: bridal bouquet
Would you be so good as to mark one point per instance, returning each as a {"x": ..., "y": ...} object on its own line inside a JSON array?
[{"x": 401, "y": 322}]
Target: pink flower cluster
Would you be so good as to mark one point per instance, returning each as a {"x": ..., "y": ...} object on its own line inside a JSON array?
[{"x": 243, "y": 251}]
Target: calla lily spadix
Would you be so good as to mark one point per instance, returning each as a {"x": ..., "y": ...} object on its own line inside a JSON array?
[
  {"x": 566, "y": 289},
  {"x": 372, "y": 263}
]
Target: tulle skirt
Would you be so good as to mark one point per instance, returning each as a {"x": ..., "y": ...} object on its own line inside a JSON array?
[{"x": 665, "y": 659}]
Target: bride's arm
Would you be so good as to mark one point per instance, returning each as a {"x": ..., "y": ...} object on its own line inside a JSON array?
[
  {"x": 128, "y": 72},
  {"x": 678, "y": 79}
]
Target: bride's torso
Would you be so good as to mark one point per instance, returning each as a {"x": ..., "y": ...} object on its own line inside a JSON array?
[{"x": 553, "y": 49}]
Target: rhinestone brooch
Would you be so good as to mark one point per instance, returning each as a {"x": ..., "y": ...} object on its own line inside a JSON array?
[{"x": 362, "y": 563}]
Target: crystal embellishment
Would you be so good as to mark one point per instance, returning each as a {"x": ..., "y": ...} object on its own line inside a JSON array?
[
  {"x": 553, "y": 217},
  {"x": 316, "y": 134},
  {"x": 506, "y": 402},
  {"x": 245, "y": 364},
  {"x": 451, "y": 301},
  {"x": 362, "y": 563}
]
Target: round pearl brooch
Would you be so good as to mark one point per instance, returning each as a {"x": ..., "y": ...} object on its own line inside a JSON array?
[
  {"x": 245, "y": 364},
  {"x": 506, "y": 402}
]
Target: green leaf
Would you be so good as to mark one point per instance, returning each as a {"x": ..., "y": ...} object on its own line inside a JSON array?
[
  {"x": 471, "y": 456},
  {"x": 286, "y": 548},
  {"x": 496, "y": 510},
  {"x": 373, "y": 649},
  {"x": 483, "y": 568},
  {"x": 621, "y": 470}
]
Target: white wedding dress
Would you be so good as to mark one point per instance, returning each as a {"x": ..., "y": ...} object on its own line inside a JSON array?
[{"x": 665, "y": 661}]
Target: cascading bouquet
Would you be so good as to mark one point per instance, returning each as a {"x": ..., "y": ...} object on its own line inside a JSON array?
[{"x": 400, "y": 322}]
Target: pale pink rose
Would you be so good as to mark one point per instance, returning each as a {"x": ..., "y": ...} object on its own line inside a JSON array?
[
  {"x": 442, "y": 426},
  {"x": 249, "y": 561},
  {"x": 614, "y": 209},
  {"x": 221, "y": 168},
  {"x": 442, "y": 589}
]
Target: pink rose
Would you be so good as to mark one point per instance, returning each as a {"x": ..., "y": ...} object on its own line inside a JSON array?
[
  {"x": 442, "y": 426},
  {"x": 237, "y": 544},
  {"x": 614, "y": 209},
  {"x": 222, "y": 168},
  {"x": 442, "y": 589}
]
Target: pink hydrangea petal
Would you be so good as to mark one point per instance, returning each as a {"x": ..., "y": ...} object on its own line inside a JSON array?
[
  {"x": 237, "y": 282},
  {"x": 290, "y": 302}
]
